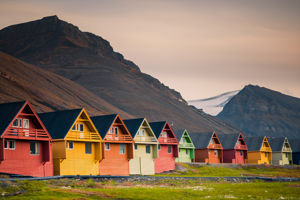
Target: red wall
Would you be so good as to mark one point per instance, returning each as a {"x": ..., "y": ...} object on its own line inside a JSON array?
[
  {"x": 19, "y": 160},
  {"x": 165, "y": 161},
  {"x": 115, "y": 163},
  {"x": 234, "y": 156},
  {"x": 201, "y": 155}
]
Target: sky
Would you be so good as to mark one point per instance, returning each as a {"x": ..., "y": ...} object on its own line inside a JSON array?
[{"x": 199, "y": 48}]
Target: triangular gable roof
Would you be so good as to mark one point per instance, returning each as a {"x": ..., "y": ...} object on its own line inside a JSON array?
[
  {"x": 8, "y": 112},
  {"x": 60, "y": 122},
  {"x": 201, "y": 140},
  {"x": 133, "y": 125},
  {"x": 104, "y": 122},
  {"x": 295, "y": 145},
  {"x": 254, "y": 143},
  {"x": 228, "y": 141},
  {"x": 277, "y": 143},
  {"x": 157, "y": 127}
]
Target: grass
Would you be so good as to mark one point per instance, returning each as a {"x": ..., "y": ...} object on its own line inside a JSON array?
[
  {"x": 161, "y": 189},
  {"x": 229, "y": 171}
]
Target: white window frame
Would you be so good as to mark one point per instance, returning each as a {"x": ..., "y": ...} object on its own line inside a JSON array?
[
  {"x": 26, "y": 120},
  {"x": 19, "y": 120},
  {"x": 116, "y": 131},
  {"x": 37, "y": 148},
  {"x": 143, "y": 132},
  {"x": 68, "y": 145},
  {"x": 6, "y": 144},
  {"x": 186, "y": 152},
  {"x": 107, "y": 146},
  {"x": 158, "y": 147},
  {"x": 216, "y": 152},
  {"x": 13, "y": 142},
  {"x": 241, "y": 153},
  {"x": 122, "y": 148},
  {"x": 136, "y": 147},
  {"x": 81, "y": 125}
]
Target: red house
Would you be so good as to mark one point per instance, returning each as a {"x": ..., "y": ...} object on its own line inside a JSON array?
[
  {"x": 167, "y": 147},
  {"x": 208, "y": 148},
  {"x": 235, "y": 149},
  {"x": 25, "y": 144}
]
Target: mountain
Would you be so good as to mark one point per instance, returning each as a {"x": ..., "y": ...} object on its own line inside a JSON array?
[
  {"x": 90, "y": 61},
  {"x": 261, "y": 111},
  {"x": 213, "y": 105},
  {"x": 45, "y": 90}
]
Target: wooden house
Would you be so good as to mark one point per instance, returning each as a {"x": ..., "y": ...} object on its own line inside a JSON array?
[
  {"x": 208, "y": 148},
  {"x": 295, "y": 146},
  {"x": 145, "y": 146},
  {"x": 118, "y": 145},
  {"x": 186, "y": 148},
  {"x": 235, "y": 149},
  {"x": 281, "y": 151},
  {"x": 76, "y": 142},
  {"x": 167, "y": 147},
  {"x": 25, "y": 144},
  {"x": 259, "y": 150}
]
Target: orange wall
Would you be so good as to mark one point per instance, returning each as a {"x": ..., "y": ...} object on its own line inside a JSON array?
[{"x": 115, "y": 163}]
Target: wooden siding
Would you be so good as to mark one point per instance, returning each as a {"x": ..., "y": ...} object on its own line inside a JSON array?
[
  {"x": 165, "y": 161},
  {"x": 115, "y": 163},
  {"x": 185, "y": 155},
  {"x": 259, "y": 157},
  {"x": 282, "y": 158},
  {"x": 143, "y": 163},
  {"x": 77, "y": 161},
  {"x": 234, "y": 156}
]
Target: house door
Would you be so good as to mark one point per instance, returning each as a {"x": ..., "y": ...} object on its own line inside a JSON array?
[{"x": 147, "y": 166}]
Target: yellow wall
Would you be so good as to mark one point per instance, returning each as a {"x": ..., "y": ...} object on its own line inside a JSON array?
[{"x": 258, "y": 157}]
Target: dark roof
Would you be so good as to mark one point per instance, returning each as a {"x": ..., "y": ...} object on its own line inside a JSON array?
[
  {"x": 295, "y": 144},
  {"x": 276, "y": 143},
  {"x": 179, "y": 133},
  {"x": 157, "y": 127},
  {"x": 228, "y": 141},
  {"x": 59, "y": 123},
  {"x": 103, "y": 123},
  {"x": 201, "y": 140},
  {"x": 8, "y": 112},
  {"x": 133, "y": 125},
  {"x": 254, "y": 143}
]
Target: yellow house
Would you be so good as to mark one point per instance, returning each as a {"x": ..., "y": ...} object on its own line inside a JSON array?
[
  {"x": 259, "y": 150},
  {"x": 77, "y": 147},
  {"x": 145, "y": 146}
]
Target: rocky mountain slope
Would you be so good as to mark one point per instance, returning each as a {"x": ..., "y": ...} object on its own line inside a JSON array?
[
  {"x": 213, "y": 105},
  {"x": 261, "y": 111},
  {"x": 90, "y": 61},
  {"x": 45, "y": 90}
]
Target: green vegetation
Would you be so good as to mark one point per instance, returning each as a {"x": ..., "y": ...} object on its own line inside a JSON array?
[
  {"x": 148, "y": 189},
  {"x": 230, "y": 171}
]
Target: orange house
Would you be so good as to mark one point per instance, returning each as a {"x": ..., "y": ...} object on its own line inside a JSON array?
[
  {"x": 208, "y": 148},
  {"x": 117, "y": 143}
]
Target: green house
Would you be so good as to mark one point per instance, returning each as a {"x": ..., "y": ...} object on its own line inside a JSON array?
[{"x": 186, "y": 147}]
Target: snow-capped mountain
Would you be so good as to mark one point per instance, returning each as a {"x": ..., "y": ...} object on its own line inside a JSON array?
[{"x": 213, "y": 105}]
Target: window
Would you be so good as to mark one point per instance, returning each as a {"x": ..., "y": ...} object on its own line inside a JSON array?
[
  {"x": 5, "y": 144},
  {"x": 143, "y": 132},
  {"x": 169, "y": 149},
  {"x": 216, "y": 152},
  {"x": 164, "y": 134},
  {"x": 81, "y": 128},
  {"x": 135, "y": 146},
  {"x": 208, "y": 151},
  {"x": 158, "y": 147},
  {"x": 17, "y": 123},
  {"x": 116, "y": 131},
  {"x": 242, "y": 153},
  {"x": 179, "y": 150},
  {"x": 25, "y": 123},
  {"x": 70, "y": 145},
  {"x": 266, "y": 154},
  {"x": 34, "y": 148},
  {"x": 88, "y": 148},
  {"x": 148, "y": 149},
  {"x": 138, "y": 133},
  {"x": 122, "y": 148},
  {"x": 11, "y": 144},
  {"x": 107, "y": 146},
  {"x": 75, "y": 127},
  {"x": 239, "y": 142},
  {"x": 186, "y": 151},
  {"x": 112, "y": 130}
]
